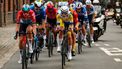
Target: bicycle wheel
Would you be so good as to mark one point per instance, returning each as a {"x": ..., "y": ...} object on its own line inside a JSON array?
[
  {"x": 24, "y": 59},
  {"x": 37, "y": 55},
  {"x": 79, "y": 43},
  {"x": 50, "y": 44},
  {"x": 37, "y": 51},
  {"x": 63, "y": 55},
  {"x": 63, "y": 61},
  {"x": 88, "y": 37}
]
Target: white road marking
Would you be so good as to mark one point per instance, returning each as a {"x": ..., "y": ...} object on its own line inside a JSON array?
[
  {"x": 97, "y": 44},
  {"x": 112, "y": 51},
  {"x": 106, "y": 44},
  {"x": 117, "y": 59}
]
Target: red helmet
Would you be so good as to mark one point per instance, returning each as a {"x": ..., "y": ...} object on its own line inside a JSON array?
[{"x": 50, "y": 6}]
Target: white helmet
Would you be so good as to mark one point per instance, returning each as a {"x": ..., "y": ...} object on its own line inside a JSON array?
[
  {"x": 88, "y": 2},
  {"x": 73, "y": 6},
  {"x": 65, "y": 3},
  {"x": 78, "y": 4},
  {"x": 37, "y": 3},
  {"x": 64, "y": 9},
  {"x": 59, "y": 4}
]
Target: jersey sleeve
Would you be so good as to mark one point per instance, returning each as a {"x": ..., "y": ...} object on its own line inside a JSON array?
[
  {"x": 92, "y": 10},
  {"x": 18, "y": 17},
  {"x": 71, "y": 18},
  {"x": 33, "y": 18},
  {"x": 75, "y": 17},
  {"x": 43, "y": 13},
  {"x": 85, "y": 13},
  {"x": 59, "y": 20}
]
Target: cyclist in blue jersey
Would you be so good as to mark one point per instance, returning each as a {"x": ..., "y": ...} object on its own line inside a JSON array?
[
  {"x": 91, "y": 14},
  {"x": 82, "y": 18},
  {"x": 40, "y": 13}
]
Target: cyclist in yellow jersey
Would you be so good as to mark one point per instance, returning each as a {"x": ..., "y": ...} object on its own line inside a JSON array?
[{"x": 65, "y": 21}]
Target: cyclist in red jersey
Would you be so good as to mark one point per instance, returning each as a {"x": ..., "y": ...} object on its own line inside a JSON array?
[
  {"x": 51, "y": 13},
  {"x": 25, "y": 23},
  {"x": 75, "y": 22}
]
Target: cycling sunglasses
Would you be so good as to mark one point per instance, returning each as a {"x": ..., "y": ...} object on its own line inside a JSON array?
[{"x": 64, "y": 13}]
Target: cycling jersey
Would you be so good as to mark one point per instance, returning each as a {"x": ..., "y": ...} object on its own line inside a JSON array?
[
  {"x": 90, "y": 12},
  {"x": 26, "y": 19},
  {"x": 62, "y": 20},
  {"x": 82, "y": 15},
  {"x": 40, "y": 14},
  {"x": 75, "y": 16},
  {"x": 51, "y": 15}
]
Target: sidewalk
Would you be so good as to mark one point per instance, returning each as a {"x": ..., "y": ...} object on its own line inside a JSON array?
[{"x": 8, "y": 46}]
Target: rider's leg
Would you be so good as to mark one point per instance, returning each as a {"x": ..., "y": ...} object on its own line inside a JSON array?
[
  {"x": 30, "y": 37},
  {"x": 92, "y": 33},
  {"x": 84, "y": 32},
  {"x": 20, "y": 48},
  {"x": 59, "y": 39},
  {"x": 91, "y": 17},
  {"x": 74, "y": 43},
  {"x": 70, "y": 42},
  {"x": 73, "y": 34}
]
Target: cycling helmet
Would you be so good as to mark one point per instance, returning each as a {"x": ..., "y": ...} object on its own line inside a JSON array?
[
  {"x": 78, "y": 5},
  {"x": 88, "y": 2},
  {"x": 37, "y": 3},
  {"x": 25, "y": 8},
  {"x": 64, "y": 9},
  {"x": 50, "y": 6},
  {"x": 72, "y": 6}
]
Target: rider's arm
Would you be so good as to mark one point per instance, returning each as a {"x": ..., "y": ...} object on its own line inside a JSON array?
[
  {"x": 84, "y": 12},
  {"x": 58, "y": 20},
  {"x": 71, "y": 18},
  {"x": 44, "y": 17},
  {"x": 33, "y": 18},
  {"x": 18, "y": 17},
  {"x": 76, "y": 19},
  {"x": 92, "y": 10}
]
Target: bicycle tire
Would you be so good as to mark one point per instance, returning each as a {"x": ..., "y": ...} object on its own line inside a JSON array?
[
  {"x": 24, "y": 59},
  {"x": 88, "y": 38},
  {"x": 63, "y": 61},
  {"x": 36, "y": 52},
  {"x": 79, "y": 43},
  {"x": 50, "y": 44}
]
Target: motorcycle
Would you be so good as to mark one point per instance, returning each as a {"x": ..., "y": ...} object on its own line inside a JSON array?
[
  {"x": 118, "y": 16},
  {"x": 100, "y": 21},
  {"x": 99, "y": 26}
]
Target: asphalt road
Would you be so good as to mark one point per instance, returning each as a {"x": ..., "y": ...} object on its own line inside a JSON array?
[{"x": 105, "y": 54}]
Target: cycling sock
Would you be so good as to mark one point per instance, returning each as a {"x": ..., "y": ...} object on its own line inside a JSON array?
[
  {"x": 30, "y": 46},
  {"x": 70, "y": 48},
  {"x": 91, "y": 36}
]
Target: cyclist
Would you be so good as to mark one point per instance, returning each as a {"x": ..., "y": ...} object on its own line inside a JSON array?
[
  {"x": 91, "y": 14},
  {"x": 51, "y": 13},
  {"x": 64, "y": 21},
  {"x": 75, "y": 22},
  {"x": 82, "y": 18},
  {"x": 26, "y": 24},
  {"x": 40, "y": 13}
]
